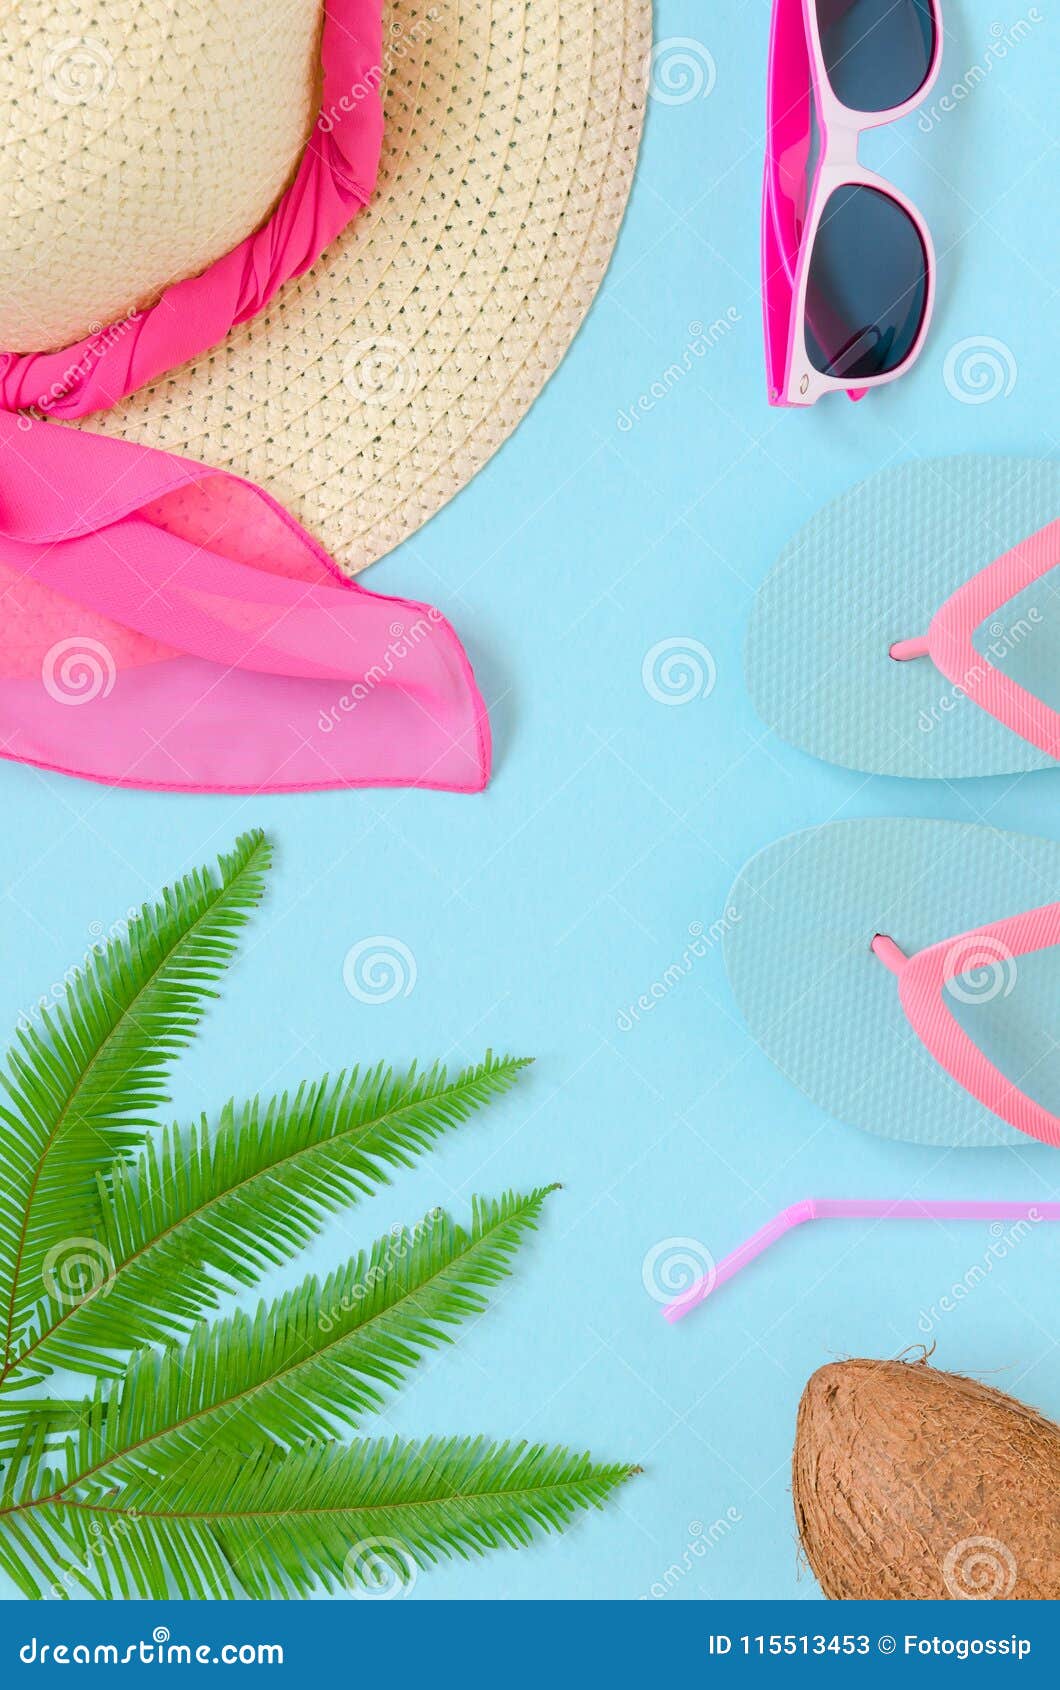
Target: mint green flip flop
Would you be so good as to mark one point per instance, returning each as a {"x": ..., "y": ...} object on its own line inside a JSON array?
[
  {"x": 906, "y": 976},
  {"x": 913, "y": 626}
]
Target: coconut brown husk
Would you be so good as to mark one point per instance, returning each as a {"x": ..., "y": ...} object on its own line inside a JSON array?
[{"x": 909, "y": 1482}]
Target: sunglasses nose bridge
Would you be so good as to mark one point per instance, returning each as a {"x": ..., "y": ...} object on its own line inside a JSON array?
[{"x": 839, "y": 143}]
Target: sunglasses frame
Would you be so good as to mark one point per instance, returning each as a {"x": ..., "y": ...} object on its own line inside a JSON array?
[{"x": 798, "y": 89}]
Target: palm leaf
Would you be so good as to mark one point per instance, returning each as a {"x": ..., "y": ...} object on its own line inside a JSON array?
[
  {"x": 320, "y": 1354},
  {"x": 210, "y": 1467},
  {"x": 204, "y": 1209},
  {"x": 340, "y": 1515},
  {"x": 81, "y": 1088}
]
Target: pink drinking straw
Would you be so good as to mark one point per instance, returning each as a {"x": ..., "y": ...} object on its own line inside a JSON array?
[{"x": 848, "y": 1208}]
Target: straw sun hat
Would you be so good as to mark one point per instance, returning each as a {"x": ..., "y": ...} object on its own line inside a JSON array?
[{"x": 144, "y": 139}]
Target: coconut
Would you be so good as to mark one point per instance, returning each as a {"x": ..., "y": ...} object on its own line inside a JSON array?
[{"x": 909, "y": 1482}]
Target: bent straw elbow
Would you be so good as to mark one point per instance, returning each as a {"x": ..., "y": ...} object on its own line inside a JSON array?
[
  {"x": 857, "y": 1208},
  {"x": 719, "y": 1272}
]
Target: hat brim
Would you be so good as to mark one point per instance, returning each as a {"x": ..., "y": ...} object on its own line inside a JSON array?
[{"x": 372, "y": 389}]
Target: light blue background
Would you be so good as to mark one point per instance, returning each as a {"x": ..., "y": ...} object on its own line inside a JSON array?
[{"x": 537, "y": 912}]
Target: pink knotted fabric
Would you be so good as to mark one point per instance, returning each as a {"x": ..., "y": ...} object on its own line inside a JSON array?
[{"x": 219, "y": 646}]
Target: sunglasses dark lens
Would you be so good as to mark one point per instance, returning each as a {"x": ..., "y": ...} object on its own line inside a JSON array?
[
  {"x": 867, "y": 286},
  {"x": 877, "y": 52}
]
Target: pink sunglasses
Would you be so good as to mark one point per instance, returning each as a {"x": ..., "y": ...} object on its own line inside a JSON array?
[{"x": 848, "y": 268}]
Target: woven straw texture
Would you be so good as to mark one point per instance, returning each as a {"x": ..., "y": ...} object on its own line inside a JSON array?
[
  {"x": 139, "y": 140},
  {"x": 375, "y": 387}
]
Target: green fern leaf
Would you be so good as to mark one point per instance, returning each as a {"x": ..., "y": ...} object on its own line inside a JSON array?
[
  {"x": 340, "y": 1516},
  {"x": 81, "y": 1088},
  {"x": 209, "y": 1467},
  {"x": 203, "y": 1210},
  {"x": 321, "y": 1354}
]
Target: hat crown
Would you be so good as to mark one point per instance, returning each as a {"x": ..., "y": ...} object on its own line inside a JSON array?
[{"x": 139, "y": 141}]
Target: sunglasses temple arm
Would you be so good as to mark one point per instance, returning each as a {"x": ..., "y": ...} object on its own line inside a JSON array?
[{"x": 840, "y": 1208}]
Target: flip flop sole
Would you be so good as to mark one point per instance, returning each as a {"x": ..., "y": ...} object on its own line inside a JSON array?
[
  {"x": 825, "y": 1009},
  {"x": 873, "y": 567}
]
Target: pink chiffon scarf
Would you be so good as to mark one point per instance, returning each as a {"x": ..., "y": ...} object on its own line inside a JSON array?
[{"x": 170, "y": 626}]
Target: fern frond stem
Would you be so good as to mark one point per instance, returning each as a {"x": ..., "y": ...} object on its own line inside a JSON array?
[{"x": 59, "y": 1499}]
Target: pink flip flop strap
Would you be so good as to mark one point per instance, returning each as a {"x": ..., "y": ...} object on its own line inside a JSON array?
[
  {"x": 921, "y": 979},
  {"x": 171, "y": 626},
  {"x": 949, "y": 641}
]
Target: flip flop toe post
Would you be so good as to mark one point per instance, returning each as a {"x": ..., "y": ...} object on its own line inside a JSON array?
[{"x": 913, "y": 626}]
